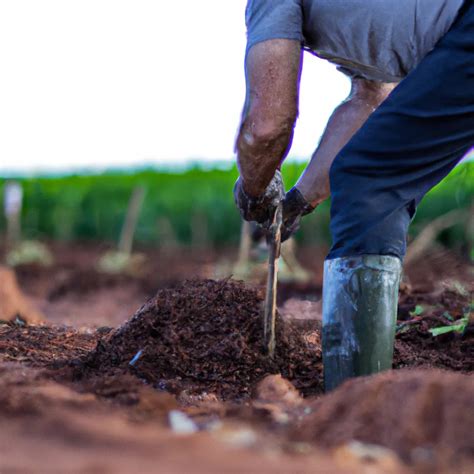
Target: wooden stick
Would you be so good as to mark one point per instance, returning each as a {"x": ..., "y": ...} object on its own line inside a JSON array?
[
  {"x": 131, "y": 219},
  {"x": 269, "y": 316}
]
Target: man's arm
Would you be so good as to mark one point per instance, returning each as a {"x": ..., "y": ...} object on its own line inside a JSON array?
[
  {"x": 364, "y": 98},
  {"x": 272, "y": 73}
]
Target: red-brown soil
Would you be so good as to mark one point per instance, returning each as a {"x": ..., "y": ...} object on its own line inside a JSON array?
[
  {"x": 424, "y": 416},
  {"x": 50, "y": 427},
  {"x": 74, "y": 292},
  {"x": 70, "y": 401},
  {"x": 13, "y": 303}
]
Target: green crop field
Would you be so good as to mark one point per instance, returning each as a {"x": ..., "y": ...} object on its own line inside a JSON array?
[{"x": 196, "y": 204}]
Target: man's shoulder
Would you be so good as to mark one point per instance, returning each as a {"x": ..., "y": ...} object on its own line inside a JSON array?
[{"x": 274, "y": 19}]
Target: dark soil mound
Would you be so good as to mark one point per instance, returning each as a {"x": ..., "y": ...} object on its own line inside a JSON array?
[
  {"x": 207, "y": 336},
  {"x": 425, "y": 416}
]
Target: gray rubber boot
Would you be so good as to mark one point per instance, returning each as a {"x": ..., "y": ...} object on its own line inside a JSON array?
[{"x": 360, "y": 297}]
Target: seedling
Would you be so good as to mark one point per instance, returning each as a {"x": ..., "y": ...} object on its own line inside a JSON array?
[
  {"x": 115, "y": 262},
  {"x": 417, "y": 311},
  {"x": 459, "y": 326},
  {"x": 415, "y": 315},
  {"x": 29, "y": 251},
  {"x": 123, "y": 260}
]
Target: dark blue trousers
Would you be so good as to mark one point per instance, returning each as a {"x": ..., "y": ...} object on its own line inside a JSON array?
[{"x": 409, "y": 144}]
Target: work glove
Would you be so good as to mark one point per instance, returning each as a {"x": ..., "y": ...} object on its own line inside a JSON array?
[
  {"x": 260, "y": 209},
  {"x": 295, "y": 207}
]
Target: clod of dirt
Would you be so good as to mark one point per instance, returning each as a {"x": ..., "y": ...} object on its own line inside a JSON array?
[
  {"x": 206, "y": 336},
  {"x": 275, "y": 389},
  {"x": 276, "y": 399},
  {"x": 26, "y": 391},
  {"x": 13, "y": 304},
  {"x": 424, "y": 416}
]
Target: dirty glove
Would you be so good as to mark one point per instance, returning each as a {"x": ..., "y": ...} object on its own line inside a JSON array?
[
  {"x": 295, "y": 207},
  {"x": 260, "y": 209}
]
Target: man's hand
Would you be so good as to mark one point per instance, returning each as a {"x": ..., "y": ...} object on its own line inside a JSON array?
[
  {"x": 262, "y": 208},
  {"x": 295, "y": 207}
]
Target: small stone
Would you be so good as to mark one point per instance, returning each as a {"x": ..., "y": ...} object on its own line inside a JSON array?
[
  {"x": 181, "y": 424},
  {"x": 276, "y": 389}
]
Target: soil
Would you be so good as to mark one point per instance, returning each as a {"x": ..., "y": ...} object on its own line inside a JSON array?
[
  {"x": 415, "y": 346},
  {"x": 207, "y": 336},
  {"x": 13, "y": 303},
  {"x": 424, "y": 416},
  {"x": 72, "y": 401},
  {"x": 50, "y": 427},
  {"x": 45, "y": 346}
]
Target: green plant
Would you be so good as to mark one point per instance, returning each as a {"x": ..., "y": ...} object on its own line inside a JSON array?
[
  {"x": 458, "y": 326},
  {"x": 29, "y": 251},
  {"x": 82, "y": 207},
  {"x": 417, "y": 311}
]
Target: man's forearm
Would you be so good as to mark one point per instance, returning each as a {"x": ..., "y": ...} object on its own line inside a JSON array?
[
  {"x": 258, "y": 158},
  {"x": 272, "y": 74},
  {"x": 345, "y": 121}
]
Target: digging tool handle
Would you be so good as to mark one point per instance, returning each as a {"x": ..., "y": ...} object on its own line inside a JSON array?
[{"x": 270, "y": 297}]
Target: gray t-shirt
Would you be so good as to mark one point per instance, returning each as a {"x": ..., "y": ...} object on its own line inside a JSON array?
[{"x": 380, "y": 40}]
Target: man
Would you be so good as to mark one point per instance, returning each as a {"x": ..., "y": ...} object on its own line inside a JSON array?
[{"x": 382, "y": 150}]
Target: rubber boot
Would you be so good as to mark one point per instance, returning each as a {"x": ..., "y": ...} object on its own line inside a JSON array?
[{"x": 360, "y": 297}]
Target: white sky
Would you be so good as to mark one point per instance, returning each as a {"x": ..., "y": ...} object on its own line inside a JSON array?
[{"x": 100, "y": 83}]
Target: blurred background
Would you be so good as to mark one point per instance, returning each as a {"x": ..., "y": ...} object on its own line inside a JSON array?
[{"x": 192, "y": 207}]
